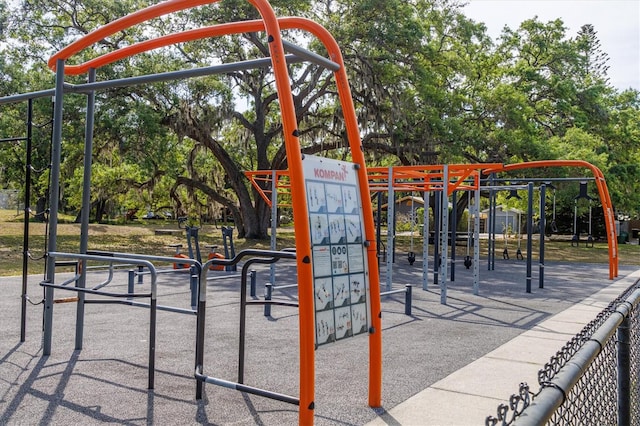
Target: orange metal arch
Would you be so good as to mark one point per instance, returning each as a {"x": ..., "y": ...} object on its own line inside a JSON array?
[
  {"x": 271, "y": 25},
  {"x": 603, "y": 192},
  {"x": 124, "y": 23}
]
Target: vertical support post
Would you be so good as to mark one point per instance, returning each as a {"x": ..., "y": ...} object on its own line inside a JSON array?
[
  {"x": 243, "y": 324},
  {"x": 193, "y": 285},
  {"x": 25, "y": 237},
  {"x": 268, "y": 292},
  {"x": 86, "y": 208},
  {"x": 130, "y": 279},
  {"x": 476, "y": 242},
  {"x": 454, "y": 234},
  {"x": 492, "y": 224},
  {"x": 391, "y": 204},
  {"x": 425, "y": 241},
  {"x": 140, "y": 275},
  {"x": 529, "y": 233},
  {"x": 623, "y": 344},
  {"x": 543, "y": 227},
  {"x": 407, "y": 300},
  {"x": 253, "y": 277},
  {"x": 436, "y": 236},
  {"x": 200, "y": 329},
  {"x": 153, "y": 317},
  {"x": 274, "y": 227},
  {"x": 54, "y": 199},
  {"x": 444, "y": 234}
]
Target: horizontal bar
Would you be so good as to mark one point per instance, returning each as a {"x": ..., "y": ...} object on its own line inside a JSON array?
[
  {"x": 182, "y": 74},
  {"x": 310, "y": 56},
  {"x": 151, "y": 78},
  {"x": 112, "y": 258},
  {"x": 26, "y": 96},
  {"x": 90, "y": 291},
  {"x": 543, "y": 180},
  {"x": 276, "y": 287},
  {"x": 142, "y": 305},
  {"x": 13, "y": 140},
  {"x": 244, "y": 388},
  {"x": 386, "y": 293},
  {"x": 272, "y": 302}
]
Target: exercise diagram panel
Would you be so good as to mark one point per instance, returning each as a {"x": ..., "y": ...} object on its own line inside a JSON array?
[{"x": 340, "y": 270}]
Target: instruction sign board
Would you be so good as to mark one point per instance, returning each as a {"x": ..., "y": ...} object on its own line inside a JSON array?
[{"x": 340, "y": 270}]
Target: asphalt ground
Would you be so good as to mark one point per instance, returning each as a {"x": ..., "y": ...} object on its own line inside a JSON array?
[{"x": 106, "y": 381}]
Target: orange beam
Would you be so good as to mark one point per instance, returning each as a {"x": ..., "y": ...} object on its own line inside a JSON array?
[{"x": 603, "y": 192}]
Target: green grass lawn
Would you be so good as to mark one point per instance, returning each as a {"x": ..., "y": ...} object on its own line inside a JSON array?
[{"x": 141, "y": 238}]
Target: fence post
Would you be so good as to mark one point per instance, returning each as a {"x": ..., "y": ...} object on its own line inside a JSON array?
[{"x": 624, "y": 372}]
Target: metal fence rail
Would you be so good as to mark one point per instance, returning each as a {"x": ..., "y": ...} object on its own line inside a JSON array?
[{"x": 594, "y": 379}]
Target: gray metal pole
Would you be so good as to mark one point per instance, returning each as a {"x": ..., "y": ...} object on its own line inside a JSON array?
[
  {"x": 391, "y": 201},
  {"x": 425, "y": 241},
  {"x": 543, "y": 227},
  {"x": 54, "y": 194},
  {"x": 25, "y": 237},
  {"x": 529, "y": 234},
  {"x": 492, "y": 226},
  {"x": 454, "y": 227},
  {"x": 274, "y": 224},
  {"x": 476, "y": 243},
  {"x": 154, "y": 78},
  {"x": 86, "y": 208},
  {"x": 310, "y": 56},
  {"x": 444, "y": 234},
  {"x": 436, "y": 236},
  {"x": 407, "y": 300}
]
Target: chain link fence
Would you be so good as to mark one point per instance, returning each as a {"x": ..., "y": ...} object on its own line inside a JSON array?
[{"x": 593, "y": 380}]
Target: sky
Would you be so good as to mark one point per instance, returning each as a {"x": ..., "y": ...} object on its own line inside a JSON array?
[{"x": 617, "y": 23}]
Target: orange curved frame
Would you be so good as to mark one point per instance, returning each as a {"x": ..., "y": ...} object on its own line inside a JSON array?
[
  {"x": 272, "y": 25},
  {"x": 603, "y": 192}
]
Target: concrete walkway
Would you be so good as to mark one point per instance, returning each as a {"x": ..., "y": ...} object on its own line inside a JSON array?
[{"x": 469, "y": 395}]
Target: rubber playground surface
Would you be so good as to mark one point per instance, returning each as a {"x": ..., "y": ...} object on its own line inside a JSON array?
[{"x": 106, "y": 381}]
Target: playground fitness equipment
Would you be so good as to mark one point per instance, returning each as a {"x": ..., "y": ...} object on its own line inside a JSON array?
[
  {"x": 428, "y": 179},
  {"x": 278, "y": 60},
  {"x": 272, "y": 25}
]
